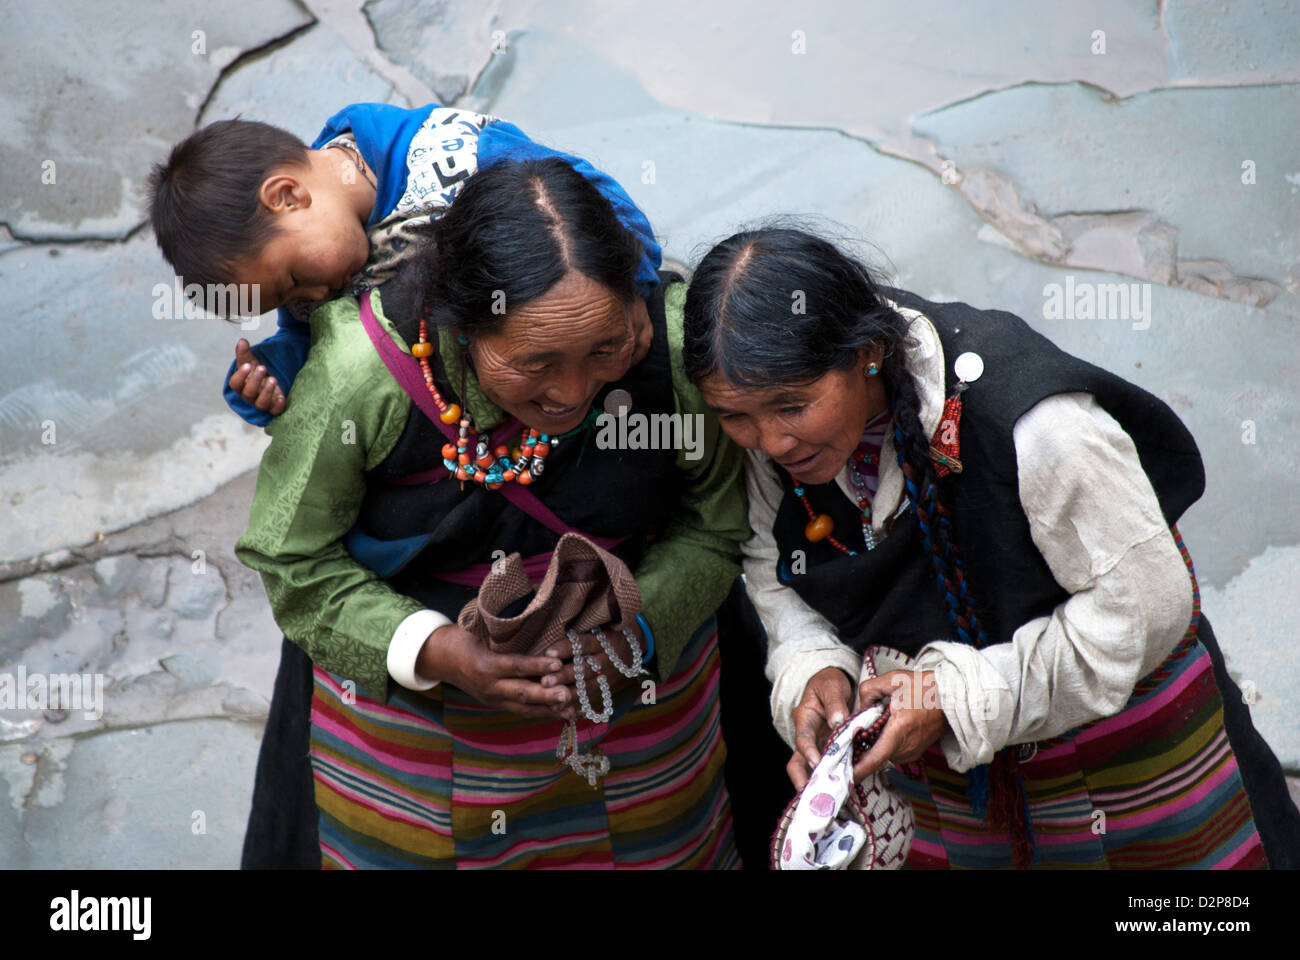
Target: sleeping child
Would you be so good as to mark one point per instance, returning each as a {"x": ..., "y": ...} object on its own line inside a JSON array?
[{"x": 245, "y": 202}]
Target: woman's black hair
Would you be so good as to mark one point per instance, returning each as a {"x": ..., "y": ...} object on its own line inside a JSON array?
[
  {"x": 514, "y": 230},
  {"x": 782, "y": 306}
]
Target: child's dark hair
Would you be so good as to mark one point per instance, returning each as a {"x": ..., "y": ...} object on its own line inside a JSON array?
[
  {"x": 204, "y": 201},
  {"x": 513, "y": 232},
  {"x": 775, "y": 306}
]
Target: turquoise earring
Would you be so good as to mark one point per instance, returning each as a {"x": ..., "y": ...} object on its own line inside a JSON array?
[{"x": 872, "y": 370}]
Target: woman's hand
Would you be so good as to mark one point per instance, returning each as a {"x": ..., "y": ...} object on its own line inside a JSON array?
[
  {"x": 505, "y": 681},
  {"x": 915, "y": 719},
  {"x": 251, "y": 382},
  {"x": 563, "y": 678},
  {"x": 825, "y": 705}
]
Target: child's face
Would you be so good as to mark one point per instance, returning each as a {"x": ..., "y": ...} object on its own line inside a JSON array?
[{"x": 319, "y": 245}]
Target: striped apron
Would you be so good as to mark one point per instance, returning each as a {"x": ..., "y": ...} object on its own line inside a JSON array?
[
  {"x": 1154, "y": 787},
  {"x": 439, "y": 780}
]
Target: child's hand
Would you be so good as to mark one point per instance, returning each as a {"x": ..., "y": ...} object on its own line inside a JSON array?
[{"x": 251, "y": 382}]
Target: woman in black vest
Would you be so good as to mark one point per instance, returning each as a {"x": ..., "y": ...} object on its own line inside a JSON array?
[{"x": 941, "y": 486}]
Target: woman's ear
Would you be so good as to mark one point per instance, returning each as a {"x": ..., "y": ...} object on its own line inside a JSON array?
[
  {"x": 282, "y": 193},
  {"x": 871, "y": 353}
]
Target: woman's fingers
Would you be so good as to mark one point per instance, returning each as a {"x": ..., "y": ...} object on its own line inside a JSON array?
[
  {"x": 797, "y": 770},
  {"x": 526, "y": 693},
  {"x": 835, "y": 703},
  {"x": 809, "y": 732},
  {"x": 881, "y": 752},
  {"x": 881, "y": 688},
  {"x": 517, "y": 665},
  {"x": 559, "y": 678},
  {"x": 824, "y": 706},
  {"x": 563, "y": 650},
  {"x": 519, "y": 675}
]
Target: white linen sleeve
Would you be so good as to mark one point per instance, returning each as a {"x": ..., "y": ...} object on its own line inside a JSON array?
[
  {"x": 1097, "y": 523},
  {"x": 404, "y": 648},
  {"x": 800, "y": 641}
]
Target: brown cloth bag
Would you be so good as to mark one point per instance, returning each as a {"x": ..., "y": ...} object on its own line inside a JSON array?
[{"x": 584, "y": 587}]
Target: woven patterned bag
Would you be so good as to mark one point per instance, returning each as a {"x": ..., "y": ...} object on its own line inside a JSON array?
[
  {"x": 836, "y": 825},
  {"x": 584, "y": 587}
]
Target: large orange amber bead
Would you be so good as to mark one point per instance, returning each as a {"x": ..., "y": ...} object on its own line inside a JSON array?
[
  {"x": 421, "y": 350},
  {"x": 819, "y": 528},
  {"x": 451, "y": 414}
]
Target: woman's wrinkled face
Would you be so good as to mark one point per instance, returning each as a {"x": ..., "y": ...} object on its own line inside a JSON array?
[
  {"x": 555, "y": 353},
  {"x": 810, "y": 429}
]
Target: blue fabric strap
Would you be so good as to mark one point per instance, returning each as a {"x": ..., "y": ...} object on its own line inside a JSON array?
[{"x": 649, "y": 637}]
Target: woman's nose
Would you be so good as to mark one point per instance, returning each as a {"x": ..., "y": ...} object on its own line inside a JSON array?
[
  {"x": 776, "y": 442},
  {"x": 567, "y": 391}
]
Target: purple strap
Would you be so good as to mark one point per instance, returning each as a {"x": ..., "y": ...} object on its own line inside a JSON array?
[
  {"x": 535, "y": 567},
  {"x": 409, "y": 375}
]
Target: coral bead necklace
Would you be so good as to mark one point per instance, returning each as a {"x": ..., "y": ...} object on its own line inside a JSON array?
[
  {"x": 820, "y": 525},
  {"x": 492, "y": 468}
]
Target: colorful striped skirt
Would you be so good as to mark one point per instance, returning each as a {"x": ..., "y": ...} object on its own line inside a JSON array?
[
  {"x": 442, "y": 781},
  {"x": 1154, "y": 787}
]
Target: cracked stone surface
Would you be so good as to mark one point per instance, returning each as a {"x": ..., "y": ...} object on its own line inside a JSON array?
[
  {"x": 131, "y": 106},
  {"x": 866, "y": 67},
  {"x": 185, "y": 808},
  {"x": 1190, "y": 188},
  {"x": 175, "y": 652},
  {"x": 93, "y": 440},
  {"x": 443, "y": 43},
  {"x": 298, "y": 86},
  {"x": 987, "y": 152}
]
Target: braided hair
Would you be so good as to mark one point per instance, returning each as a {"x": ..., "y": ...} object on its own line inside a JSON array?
[{"x": 739, "y": 322}]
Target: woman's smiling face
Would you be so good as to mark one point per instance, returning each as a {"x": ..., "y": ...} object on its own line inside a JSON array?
[
  {"x": 810, "y": 429},
  {"x": 554, "y": 354}
]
